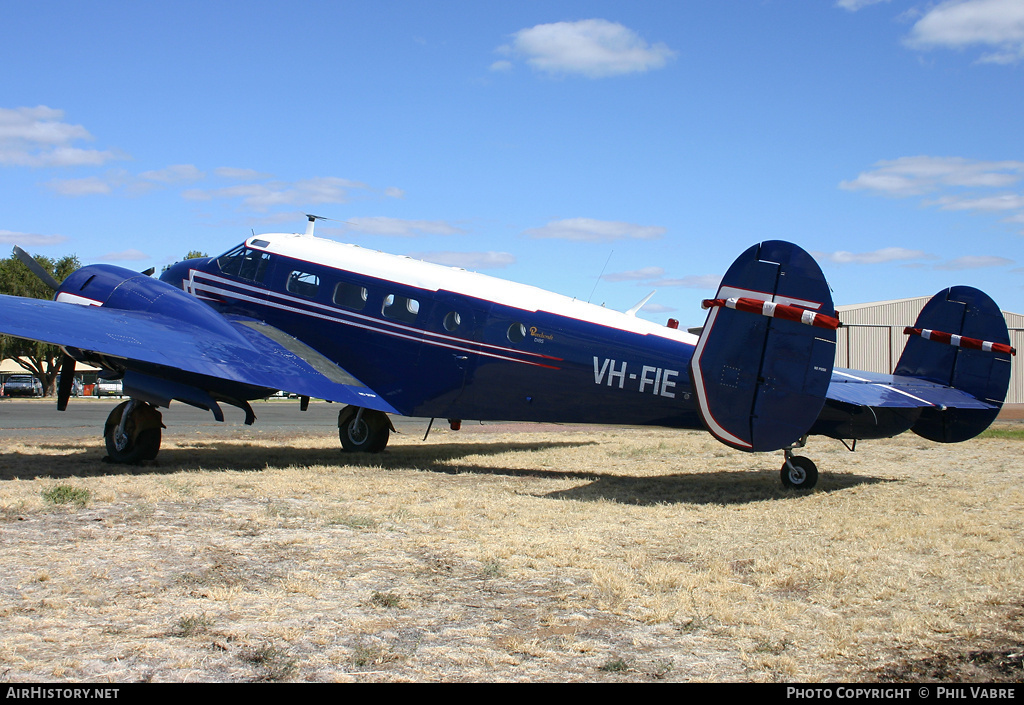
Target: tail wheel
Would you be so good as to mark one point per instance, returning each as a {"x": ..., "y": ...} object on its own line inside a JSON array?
[
  {"x": 132, "y": 432},
  {"x": 799, "y": 473},
  {"x": 363, "y": 430}
]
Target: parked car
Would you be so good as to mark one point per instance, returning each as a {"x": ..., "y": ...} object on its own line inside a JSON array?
[
  {"x": 23, "y": 386},
  {"x": 109, "y": 388},
  {"x": 76, "y": 386}
]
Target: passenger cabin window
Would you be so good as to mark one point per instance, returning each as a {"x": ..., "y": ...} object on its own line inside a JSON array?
[
  {"x": 516, "y": 333},
  {"x": 303, "y": 284},
  {"x": 400, "y": 308},
  {"x": 350, "y": 296},
  {"x": 452, "y": 321},
  {"x": 245, "y": 263}
]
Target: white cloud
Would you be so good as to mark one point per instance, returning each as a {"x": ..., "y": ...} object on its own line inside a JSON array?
[
  {"x": 655, "y": 277},
  {"x": 641, "y": 275},
  {"x": 957, "y": 24},
  {"x": 11, "y": 237},
  {"x": 131, "y": 255},
  {"x": 962, "y": 184},
  {"x": 260, "y": 197},
  {"x": 591, "y": 230},
  {"x": 382, "y": 225},
  {"x": 854, "y": 5},
  {"x": 886, "y": 254},
  {"x": 176, "y": 173},
  {"x": 974, "y": 262},
  {"x": 119, "y": 180},
  {"x": 593, "y": 48},
  {"x": 693, "y": 281},
  {"x": 89, "y": 186},
  {"x": 237, "y": 174},
  {"x": 469, "y": 260},
  {"x": 998, "y": 202},
  {"x": 909, "y": 176},
  {"x": 38, "y": 137}
]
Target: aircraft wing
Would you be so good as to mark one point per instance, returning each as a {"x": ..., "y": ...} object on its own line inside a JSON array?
[
  {"x": 897, "y": 391},
  {"x": 237, "y": 351}
]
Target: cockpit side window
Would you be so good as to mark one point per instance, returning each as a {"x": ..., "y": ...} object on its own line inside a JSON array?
[
  {"x": 231, "y": 261},
  {"x": 254, "y": 265}
]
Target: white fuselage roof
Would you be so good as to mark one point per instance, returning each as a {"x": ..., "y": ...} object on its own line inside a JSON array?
[{"x": 434, "y": 277}]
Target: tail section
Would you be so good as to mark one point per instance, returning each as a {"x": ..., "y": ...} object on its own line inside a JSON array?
[
  {"x": 764, "y": 360},
  {"x": 959, "y": 340}
]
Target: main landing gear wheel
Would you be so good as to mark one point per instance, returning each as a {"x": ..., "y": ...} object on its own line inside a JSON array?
[
  {"x": 132, "y": 432},
  {"x": 799, "y": 473},
  {"x": 363, "y": 430}
]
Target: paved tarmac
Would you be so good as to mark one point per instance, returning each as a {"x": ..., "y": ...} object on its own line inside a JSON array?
[{"x": 84, "y": 417}]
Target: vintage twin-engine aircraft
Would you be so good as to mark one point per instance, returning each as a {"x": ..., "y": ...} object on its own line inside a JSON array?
[{"x": 385, "y": 334}]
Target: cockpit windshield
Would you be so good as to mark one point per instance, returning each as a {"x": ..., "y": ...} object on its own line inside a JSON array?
[{"x": 245, "y": 263}]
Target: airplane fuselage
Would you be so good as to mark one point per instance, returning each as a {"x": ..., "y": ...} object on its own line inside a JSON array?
[{"x": 443, "y": 342}]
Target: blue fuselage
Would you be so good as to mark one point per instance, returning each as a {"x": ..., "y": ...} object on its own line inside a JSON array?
[{"x": 438, "y": 353}]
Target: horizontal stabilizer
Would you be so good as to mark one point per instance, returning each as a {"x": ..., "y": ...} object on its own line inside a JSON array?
[{"x": 882, "y": 391}]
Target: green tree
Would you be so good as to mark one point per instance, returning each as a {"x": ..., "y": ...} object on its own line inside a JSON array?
[
  {"x": 40, "y": 359},
  {"x": 191, "y": 254}
]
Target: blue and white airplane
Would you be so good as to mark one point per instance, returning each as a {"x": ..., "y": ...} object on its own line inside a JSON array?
[{"x": 385, "y": 334}]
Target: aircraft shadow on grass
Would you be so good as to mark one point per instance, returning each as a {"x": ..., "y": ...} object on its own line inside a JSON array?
[{"x": 721, "y": 487}]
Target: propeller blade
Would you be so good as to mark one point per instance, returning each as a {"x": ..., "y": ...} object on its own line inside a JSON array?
[
  {"x": 36, "y": 268},
  {"x": 149, "y": 272}
]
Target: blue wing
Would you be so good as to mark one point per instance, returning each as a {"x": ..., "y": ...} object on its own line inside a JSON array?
[{"x": 227, "y": 357}]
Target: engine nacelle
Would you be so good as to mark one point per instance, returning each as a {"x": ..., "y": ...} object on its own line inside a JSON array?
[{"x": 116, "y": 287}]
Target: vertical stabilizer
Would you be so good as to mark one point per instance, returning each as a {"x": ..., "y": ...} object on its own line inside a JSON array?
[
  {"x": 764, "y": 360},
  {"x": 959, "y": 340}
]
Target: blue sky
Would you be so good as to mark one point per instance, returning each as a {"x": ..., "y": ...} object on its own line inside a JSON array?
[{"x": 598, "y": 149}]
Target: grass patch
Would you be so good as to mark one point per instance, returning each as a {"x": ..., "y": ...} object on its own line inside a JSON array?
[
  {"x": 193, "y": 625},
  {"x": 356, "y": 523},
  {"x": 66, "y": 494},
  {"x": 491, "y": 568},
  {"x": 365, "y": 655},
  {"x": 387, "y": 600},
  {"x": 271, "y": 663},
  {"x": 616, "y": 665},
  {"x": 1008, "y": 433}
]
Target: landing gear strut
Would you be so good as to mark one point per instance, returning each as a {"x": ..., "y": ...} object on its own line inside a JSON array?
[
  {"x": 132, "y": 432},
  {"x": 363, "y": 430},
  {"x": 798, "y": 472}
]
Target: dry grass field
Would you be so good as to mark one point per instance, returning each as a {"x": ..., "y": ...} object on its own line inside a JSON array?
[{"x": 505, "y": 553}]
